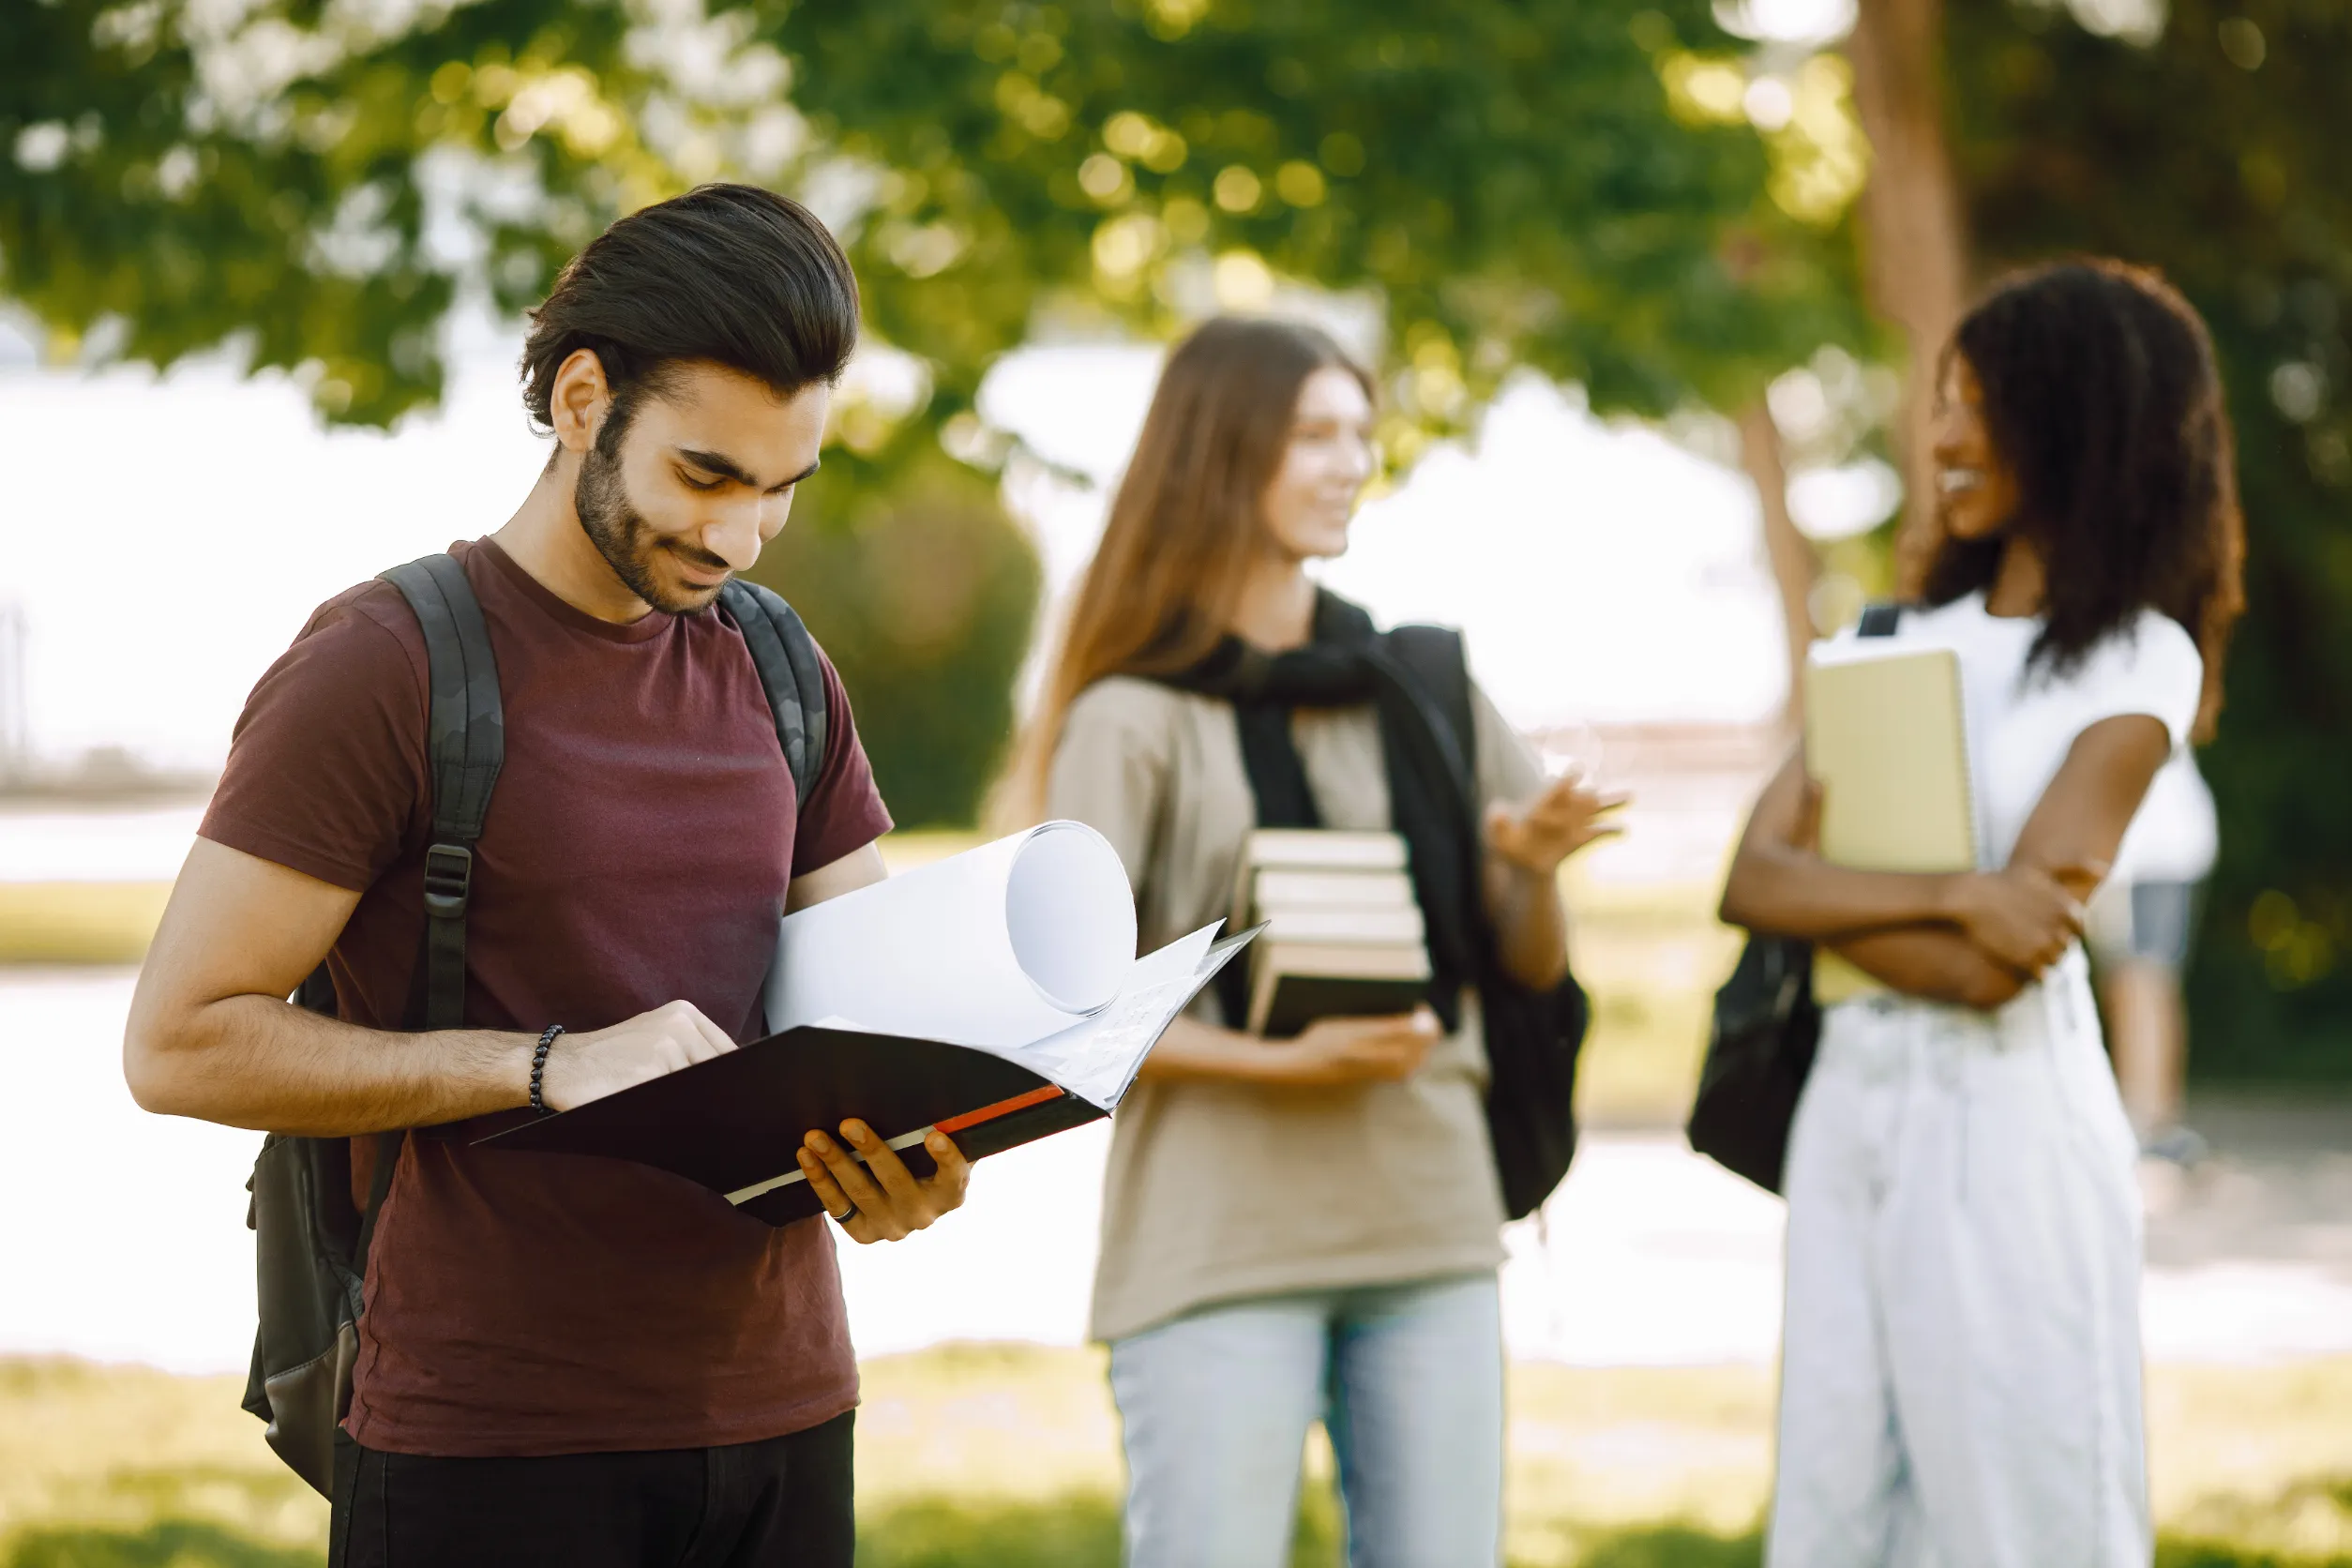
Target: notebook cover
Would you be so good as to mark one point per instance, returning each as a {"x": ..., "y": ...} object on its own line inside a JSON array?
[
  {"x": 737, "y": 1120},
  {"x": 1887, "y": 738},
  {"x": 1886, "y": 734}
]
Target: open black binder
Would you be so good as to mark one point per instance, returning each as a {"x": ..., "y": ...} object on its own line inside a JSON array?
[{"x": 735, "y": 1123}]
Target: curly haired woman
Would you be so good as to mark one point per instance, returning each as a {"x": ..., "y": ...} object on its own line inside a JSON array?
[{"x": 1961, "y": 1367}]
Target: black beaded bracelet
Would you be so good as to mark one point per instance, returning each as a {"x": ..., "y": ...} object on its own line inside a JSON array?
[{"x": 539, "y": 1067}]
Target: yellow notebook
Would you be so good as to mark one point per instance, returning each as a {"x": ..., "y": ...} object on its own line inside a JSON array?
[{"x": 1886, "y": 733}]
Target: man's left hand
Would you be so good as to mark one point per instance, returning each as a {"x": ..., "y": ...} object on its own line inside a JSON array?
[{"x": 890, "y": 1203}]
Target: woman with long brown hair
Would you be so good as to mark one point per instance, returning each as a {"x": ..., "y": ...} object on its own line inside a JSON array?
[
  {"x": 1301, "y": 1227},
  {"x": 1960, "y": 1374}
]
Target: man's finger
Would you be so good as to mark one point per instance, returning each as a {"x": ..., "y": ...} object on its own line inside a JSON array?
[
  {"x": 955, "y": 1171},
  {"x": 829, "y": 1193},
  {"x": 856, "y": 1182},
  {"x": 885, "y": 1166}
]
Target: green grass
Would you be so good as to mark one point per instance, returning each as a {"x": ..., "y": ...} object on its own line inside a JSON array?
[
  {"x": 1076, "y": 1532},
  {"x": 1006, "y": 1456}
]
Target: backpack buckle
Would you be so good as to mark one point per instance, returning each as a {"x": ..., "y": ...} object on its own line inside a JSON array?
[{"x": 448, "y": 880}]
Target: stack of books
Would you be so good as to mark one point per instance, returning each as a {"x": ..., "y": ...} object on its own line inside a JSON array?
[{"x": 1344, "y": 936}]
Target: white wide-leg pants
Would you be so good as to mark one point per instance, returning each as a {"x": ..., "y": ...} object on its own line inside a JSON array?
[{"x": 1960, "y": 1373}]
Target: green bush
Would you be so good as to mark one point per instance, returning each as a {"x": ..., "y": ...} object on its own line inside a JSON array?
[{"x": 922, "y": 591}]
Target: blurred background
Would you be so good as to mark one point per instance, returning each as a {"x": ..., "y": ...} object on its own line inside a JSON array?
[{"x": 1650, "y": 288}]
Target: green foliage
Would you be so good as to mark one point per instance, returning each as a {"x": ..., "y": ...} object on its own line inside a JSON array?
[
  {"x": 1510, "y": 182},
  {"x": 189, "y": 177},
  {"x": 2216, "y": 152},
  {"x": 1514, "y": 182},
  {"x": 922, "y": 591},
  {"x": 1505, "y": 184}
]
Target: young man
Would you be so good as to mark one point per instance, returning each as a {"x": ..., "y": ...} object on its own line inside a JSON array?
[{"x": 566, "y": 1360}]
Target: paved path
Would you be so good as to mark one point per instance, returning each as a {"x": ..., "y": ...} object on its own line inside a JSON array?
[{"x": 122, "y": 1235}]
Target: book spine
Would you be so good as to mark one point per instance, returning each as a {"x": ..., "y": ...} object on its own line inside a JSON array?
[{"x": 1039, "y": 1095}]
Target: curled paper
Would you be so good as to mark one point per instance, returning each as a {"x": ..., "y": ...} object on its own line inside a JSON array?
[{"x": 997, "y": 947}]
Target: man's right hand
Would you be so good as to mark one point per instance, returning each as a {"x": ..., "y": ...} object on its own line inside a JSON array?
[
  {"x": 2023, "y": 916},
  {"x": 589, "y": 1067},
  {"x": 1331, "y": 1053}
]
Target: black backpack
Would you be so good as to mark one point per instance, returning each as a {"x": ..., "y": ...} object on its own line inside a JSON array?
[
  {"x": 1762, "y": 1038},
  {"x": 310, "y": 1244},
  {"x": 1532, "y": 1037}
]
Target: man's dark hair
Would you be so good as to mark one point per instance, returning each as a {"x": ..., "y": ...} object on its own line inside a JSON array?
[
  {"x": 726, "y": 273},
  {"x": 2099, "y": 393}
]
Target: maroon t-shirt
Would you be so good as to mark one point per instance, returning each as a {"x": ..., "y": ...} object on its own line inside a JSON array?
[{"x": 637, "y": 851}]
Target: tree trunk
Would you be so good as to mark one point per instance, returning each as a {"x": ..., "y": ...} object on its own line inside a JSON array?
[
  {"x": 1794, "y": 566},
  {"x": 1915, "y": 248}
]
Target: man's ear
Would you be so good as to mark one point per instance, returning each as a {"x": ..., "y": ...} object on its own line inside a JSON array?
[{"x": 579, "y": 402}]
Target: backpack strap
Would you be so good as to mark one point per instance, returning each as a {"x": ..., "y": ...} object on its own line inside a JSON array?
[
  {"x": 1434, "y": 658},
  {"x": 1879, "y": 620},
  {"x": 789, "y": 673},
  {"x": 465, "y": 744}
]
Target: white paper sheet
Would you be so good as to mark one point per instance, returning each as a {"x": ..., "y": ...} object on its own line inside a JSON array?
[
  {"x": 1003, "y": 945},
  {"x": 1098, "y": 1059}
]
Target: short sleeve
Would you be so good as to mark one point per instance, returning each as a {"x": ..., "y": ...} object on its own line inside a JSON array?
[
  {"x": 844, "y": 812},
  {"x": 326, "y": 770},
  {"x": 1508, "y": 767},
  {"x": 2153, "y": 667},
  {"x": 1110, "y": 767}
]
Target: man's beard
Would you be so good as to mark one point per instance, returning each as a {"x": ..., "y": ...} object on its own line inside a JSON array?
[{"x": 626, "y": 540}]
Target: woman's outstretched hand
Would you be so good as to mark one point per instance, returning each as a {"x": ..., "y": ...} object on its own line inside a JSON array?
[{"x": 1566, "y": 817}]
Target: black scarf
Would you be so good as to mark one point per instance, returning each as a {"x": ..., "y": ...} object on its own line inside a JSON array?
[{"x": 1346, "y": 662}]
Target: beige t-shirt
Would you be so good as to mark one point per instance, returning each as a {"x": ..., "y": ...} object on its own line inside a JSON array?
[{"x": 1218, "y": 1191}]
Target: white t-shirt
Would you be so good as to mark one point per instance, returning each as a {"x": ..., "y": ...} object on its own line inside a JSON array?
[
  {"x": 2021, "y": 723},
  {"x": 2176, "y": 836}
]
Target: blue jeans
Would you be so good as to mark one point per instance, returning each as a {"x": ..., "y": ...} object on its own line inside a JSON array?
[{"x": 1408, "y": 1380}]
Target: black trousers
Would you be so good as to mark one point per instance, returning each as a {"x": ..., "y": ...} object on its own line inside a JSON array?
[{"x": 785, "y": 1502}]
